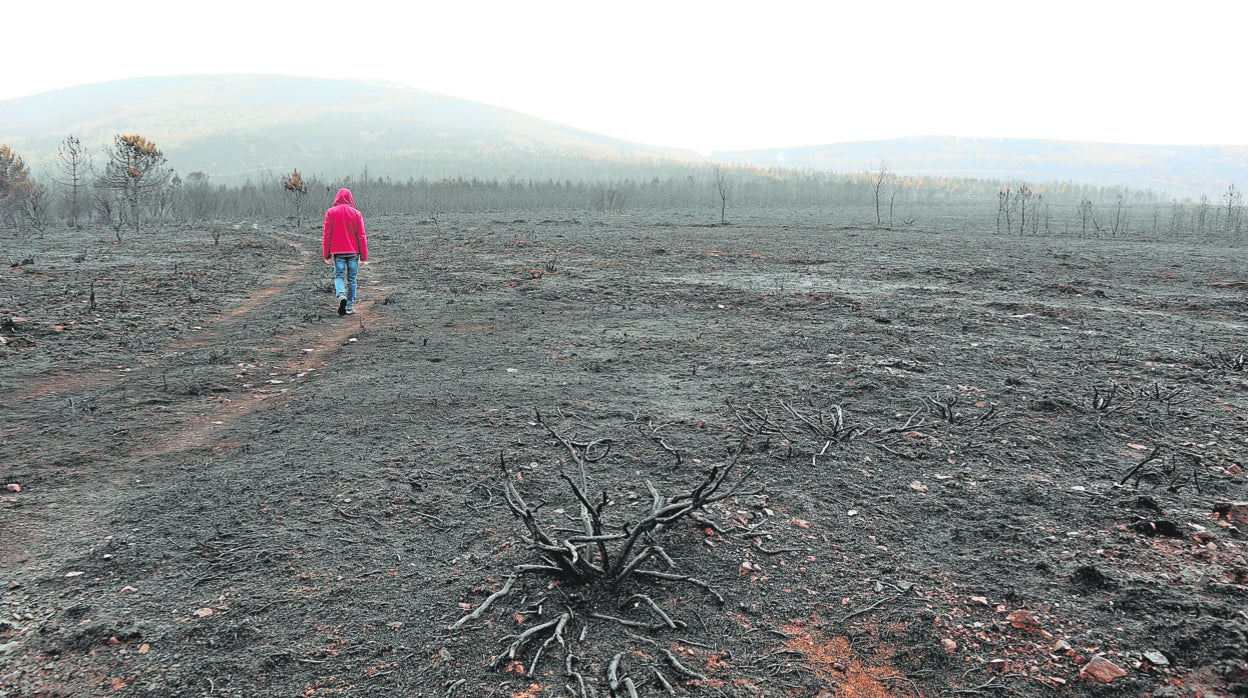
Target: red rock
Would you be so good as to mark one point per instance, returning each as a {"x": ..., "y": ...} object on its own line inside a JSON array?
[
  {"x": 1102, "y": 670},
  {"x": 13, "y": 487},
  {"x": 1235, "y": 511},
  {"x": 1024, "y": 620}
]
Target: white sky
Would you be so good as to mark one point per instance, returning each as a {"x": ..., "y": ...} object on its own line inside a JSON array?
[{"x": 703, "y": 75}]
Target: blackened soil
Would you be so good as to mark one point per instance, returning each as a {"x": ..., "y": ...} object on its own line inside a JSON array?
[{"x": 980, "y": 465}]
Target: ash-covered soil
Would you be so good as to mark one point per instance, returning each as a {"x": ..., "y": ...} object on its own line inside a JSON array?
[{"x": 977, "y": 465}]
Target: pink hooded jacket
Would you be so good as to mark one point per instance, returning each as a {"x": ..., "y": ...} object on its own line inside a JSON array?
[{"x": 344, "y": 229}]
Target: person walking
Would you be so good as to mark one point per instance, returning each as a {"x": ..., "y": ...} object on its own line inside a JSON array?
[{"x": 345, "y": 245}]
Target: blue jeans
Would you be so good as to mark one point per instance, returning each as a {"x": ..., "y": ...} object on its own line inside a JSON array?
[{"x": 346, "y": 266}]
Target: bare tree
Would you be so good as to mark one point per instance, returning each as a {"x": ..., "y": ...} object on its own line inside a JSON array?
[
  {"x": 1233, "y": 200},
  {"x": 880, "y": 178},
  {"x": 723, "y": 187},
  {"x": 198, "y": 196},
  {"x": 107, "y": 205},
  {"x": 37, "y": 207},
  {"x": 136, "y": 172},
  {"x": 1004, "y": 202},
  {"x": 74, "y": 164},
  {"x": 1086, "y": 215},
  {"x": 1178, "y": 217},
  {"x": 1024, "y": 195},
  {"x": 1120, "y": 219},
  {"x": 165, "y": 199}
]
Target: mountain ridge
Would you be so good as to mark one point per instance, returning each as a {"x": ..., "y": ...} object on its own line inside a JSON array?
[
  {"x": 1182, "y": 170},
  {"x": 233, "y": 126}
]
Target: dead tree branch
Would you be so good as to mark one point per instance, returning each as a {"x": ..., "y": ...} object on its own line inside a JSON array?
[
  {"x": 1111, "y": 399},
  {"x": 655, "y": 437},
  {"x": 827, "y": 427},
  {"x": 680, "y": 669},
  {"x": 1138, "y": 466},
  {"x": 907, "y": 426},
  {"x": 486, "y": 604},
  {"x": 944, "y": 407}
]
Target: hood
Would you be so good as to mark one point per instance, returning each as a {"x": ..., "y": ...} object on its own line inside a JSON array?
[{"x": 344, "y": 197}]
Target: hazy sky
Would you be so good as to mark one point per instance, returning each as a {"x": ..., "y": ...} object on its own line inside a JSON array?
[{"x": 703, "y": 75}]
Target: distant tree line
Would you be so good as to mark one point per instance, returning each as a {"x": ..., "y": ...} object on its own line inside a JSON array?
[
  {"x": 136, "y": 186},
  {"x": 1115, "y": 212}
]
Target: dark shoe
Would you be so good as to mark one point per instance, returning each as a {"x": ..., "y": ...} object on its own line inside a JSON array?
[{"x": 342, "y": 305}]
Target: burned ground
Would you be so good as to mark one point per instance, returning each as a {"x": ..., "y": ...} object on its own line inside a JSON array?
[{"x": 977, "y": 464}]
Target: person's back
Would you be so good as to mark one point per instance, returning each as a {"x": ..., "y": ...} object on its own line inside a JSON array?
[{"x": 344, "y": 243}]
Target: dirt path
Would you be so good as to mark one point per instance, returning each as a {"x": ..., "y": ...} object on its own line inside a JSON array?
[{"x": 155, "y": 422}]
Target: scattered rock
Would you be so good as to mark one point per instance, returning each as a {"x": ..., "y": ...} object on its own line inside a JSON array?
[
  {"x": 13, "y": 487},
  {"x": 1232, "y": 511},
  {"x": 1156, "y": 658},
  {"x": 1102, "y": 670},
  {"x": 949, "y": 645},
  {"x": 1201, "y": 534},
  {"x": 1023, "y": 620},
  {"x": 1160, "y": 527}
]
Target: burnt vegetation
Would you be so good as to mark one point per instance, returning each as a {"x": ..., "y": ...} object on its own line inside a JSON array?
[{"x": 799, "y": 433}]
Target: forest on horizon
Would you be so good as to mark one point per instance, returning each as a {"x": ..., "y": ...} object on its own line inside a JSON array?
[{"x": 208, "y": 148}]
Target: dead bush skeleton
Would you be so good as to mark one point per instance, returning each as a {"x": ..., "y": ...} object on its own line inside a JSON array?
[{"x": 603, "y": 559}]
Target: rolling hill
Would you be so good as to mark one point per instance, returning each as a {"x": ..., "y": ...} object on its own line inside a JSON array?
[{"x": 238, "y": 127}]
